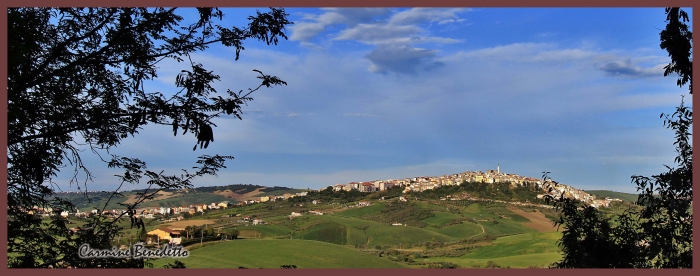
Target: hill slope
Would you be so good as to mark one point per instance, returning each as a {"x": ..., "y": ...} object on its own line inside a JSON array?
[
  {"x": 613, "y": 194},
  {"x": 302, "y": 253}
]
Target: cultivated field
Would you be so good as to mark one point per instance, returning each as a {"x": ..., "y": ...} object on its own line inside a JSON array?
[
  {"x": 537, "y": 220},
  {"x": 516, "y": 251},
  {"x": 301, "y": 253}
]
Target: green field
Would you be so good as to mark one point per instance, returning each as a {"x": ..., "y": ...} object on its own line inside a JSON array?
[
  {"x": 442, "y": 229},
  {"x": 459, "y": 231},
  {"x": 302, "y": 253},
  {"x": 385, "y": 234},
  {"x": 505, "y": 227},
  {"x": 331, "y": 232},
  {"x": 517, "y": 251},
  {"x": 441, "y": 218},
  {"x": 263, "y": 231},
  {"x": 357, "y": 212}
]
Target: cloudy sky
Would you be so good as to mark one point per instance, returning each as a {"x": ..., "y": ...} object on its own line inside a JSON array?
[{"x": 394, "y": 93}]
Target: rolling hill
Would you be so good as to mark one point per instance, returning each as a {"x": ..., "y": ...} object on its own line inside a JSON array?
[
  {"x": 613, "y": 194},
  {"x": 301, "y": 253}
]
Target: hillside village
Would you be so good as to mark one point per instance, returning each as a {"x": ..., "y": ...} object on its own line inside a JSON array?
[
  {"x": 412, "y": 184},
  {"x": 419, "y": 184}
]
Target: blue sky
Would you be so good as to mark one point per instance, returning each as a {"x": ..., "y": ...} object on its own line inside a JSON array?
[{"x": 393, "y": 93}]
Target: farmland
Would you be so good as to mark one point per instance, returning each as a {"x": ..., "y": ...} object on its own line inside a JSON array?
[
  {"x": 386, "y": 234},
  {"x": 301, "y": 253}
]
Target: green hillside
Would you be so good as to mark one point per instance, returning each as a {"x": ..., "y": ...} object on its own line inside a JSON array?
[
  {"x": 612, "y": 194},
  {"x": 302, "y": 253},
  {"x": 516, "y": 251}
]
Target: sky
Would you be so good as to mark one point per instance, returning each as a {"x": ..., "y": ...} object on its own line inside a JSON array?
[{"x": 390, "y": 93}]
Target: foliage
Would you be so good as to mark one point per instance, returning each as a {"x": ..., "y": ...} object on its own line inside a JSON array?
[
  {"x": 76, "y": 81},
  {"x": 404, "y": 212},
  {"x": 660, "y": 234},
  {"x": 176, "y": 264}
]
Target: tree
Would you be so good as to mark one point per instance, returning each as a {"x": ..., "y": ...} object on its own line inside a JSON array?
[
  {"x": 76, "y": 81},
  {"x": 142, "y": 234},
  {"x": 660, "y": 234},
  {"x": 234, "y": 233}
]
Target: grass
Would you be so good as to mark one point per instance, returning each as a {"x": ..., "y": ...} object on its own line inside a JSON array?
[
  {"x": 274, "y": 253},
  {"x": 331, "y": 232},
  {"x": 263, "y": 231},
  {"x": 385, "y": 234},
  {"x": 357, "y": 212},
  {"x": 516, "y": 251},
  {"x": 523, "y": 261},
  {"x": 459, "y": 231},
  {"x": 504, "y": 227},
  {"x": 441, "y": 218},
  {"x": 523, "y": 244}
]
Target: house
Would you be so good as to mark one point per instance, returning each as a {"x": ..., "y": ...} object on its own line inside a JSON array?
[
  {"x": 258, "y": 221},
  {"x": 264, "y": 198},
  {"x": 363, "y": 203},
  {"x": 171, "y": 235},
  {"x": 294, "y": 214},
  {"x": 367, "y": 187},
  {"x": 315, "y": 202},
  {"x": 224, "y": 204}
]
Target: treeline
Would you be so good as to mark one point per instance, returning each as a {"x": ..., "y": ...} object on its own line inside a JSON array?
[{"x": 275, "y": 188}]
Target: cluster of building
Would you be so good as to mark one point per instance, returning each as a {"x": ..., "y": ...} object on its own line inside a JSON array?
[
  {"x": 147, "y": 212},
  {"x": 422, "y": 183}
]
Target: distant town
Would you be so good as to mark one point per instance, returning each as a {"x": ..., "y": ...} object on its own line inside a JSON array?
[{"x": 412, "y": 184}]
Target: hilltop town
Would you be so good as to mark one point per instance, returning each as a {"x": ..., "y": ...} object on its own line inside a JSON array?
[
  {"x": 422, "y": 183},
  {"x": 411, "y": 184}
]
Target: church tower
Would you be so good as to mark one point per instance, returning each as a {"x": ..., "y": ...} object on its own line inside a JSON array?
[{"x": 499, "y": 168}]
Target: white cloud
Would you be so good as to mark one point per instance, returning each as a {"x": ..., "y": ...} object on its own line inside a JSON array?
[
  {"x": 421, "y": 15},
  {"x": 306, "y": 30},
  {"x": 377, "y": 33}
]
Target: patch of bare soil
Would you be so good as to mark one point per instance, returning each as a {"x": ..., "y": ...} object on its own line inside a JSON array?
[
  {"x": 537, "y": 220},
  {"x": 240, "y": 197},
  {"x": 158, "y": 196}
]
